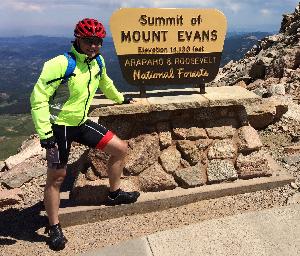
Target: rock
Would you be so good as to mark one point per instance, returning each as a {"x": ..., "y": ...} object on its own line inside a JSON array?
[
  {"x": 95, "y": 192},
  {"x": 294, "y": 185},
  {"x": 265, "y": 113},
  {"x": 121, "y": 126},
  {"x": 2, "y": 166},
  {"x": 295, "y": 199},
  {"x": 292, "y": 159},
  {"x": 195, "y": 133},
  {"x": 10, "y": 197},
  {"x": 184, "y": 163},
  {"x": 180, "y": 133},
  {"x": 191, "y": 177},
  {"x": 33, "y": 148},
  {"x": 98, "y": 160},
  {"x": 277, "y": 89},
  {"x": 258, "y": 70},
  {"x": 269, "y": 58},
  {"x": 248, "y": 139},
  {"x": 170, "y": 159},
  {"x": 222, "y": 132},
  {"x": 203, "y": 144},
  {"x": 78, "y": 160},
  {"x": 90, "y": 175},
  {"x": 291, "y": 58},
  {"x": 221, "y": 170},
  {"x": 155, "y": 178},
  {"x": 260, "y": 118},
  {"x": 293, "y": 149},
  {"x": 260, "y": 91},
  {"x": 222, "y": 149},
  {"x": 241, "y": 83},
  {"x": 184, "y": 128},
  {"x": 165, "y": 139},
  {"x": 94, "y": 119},
  {"x": 144, "y": 152},
  {"x": 20, "y": 174},
  {"x": 189, "y": 151},
  {"x": 165, "y": 136},
  {"x": 253, "y": 165}
]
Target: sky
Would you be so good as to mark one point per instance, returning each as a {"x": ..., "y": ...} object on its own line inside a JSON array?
[{"x": 58, "y": 17}]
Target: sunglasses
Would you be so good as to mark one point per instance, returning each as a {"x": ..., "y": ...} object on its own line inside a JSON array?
[{"x": 92, "y": 40}]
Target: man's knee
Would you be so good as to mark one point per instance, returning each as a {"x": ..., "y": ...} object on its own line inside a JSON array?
[
  {"x": 116, "y": 147},
  {"x": 124, "y": 148},
  {"x": 55, "y": 177}
]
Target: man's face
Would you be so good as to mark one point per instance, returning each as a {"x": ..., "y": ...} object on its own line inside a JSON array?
[{"x": 90, "y": 45}]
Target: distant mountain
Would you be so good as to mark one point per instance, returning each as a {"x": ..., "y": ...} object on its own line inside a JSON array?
[
  {"x": 237, "y": 44},
  {"x": 21, "y": 60}
]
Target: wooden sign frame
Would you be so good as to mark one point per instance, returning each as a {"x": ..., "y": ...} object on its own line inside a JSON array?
[{"x": 159, "y": 46}]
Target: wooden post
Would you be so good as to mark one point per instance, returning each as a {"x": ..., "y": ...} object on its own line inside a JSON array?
[
  {"x": 202, "y": 88},
  {"x": 142, "y": 91}
]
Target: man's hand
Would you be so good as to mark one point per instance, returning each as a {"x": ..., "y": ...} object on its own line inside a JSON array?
[
  {"x": 127, "y": 100},
  {"x": 48, "y": 143}
]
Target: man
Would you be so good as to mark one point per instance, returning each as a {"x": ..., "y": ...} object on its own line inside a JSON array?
[{"x": 59, "y": 110}]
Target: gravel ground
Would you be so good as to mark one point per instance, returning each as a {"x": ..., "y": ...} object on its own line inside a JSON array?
[
  {"x": 21, "y": 232},
  {"x": 24, "y": 236}
]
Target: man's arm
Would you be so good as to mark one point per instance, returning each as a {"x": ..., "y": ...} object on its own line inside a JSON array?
[
  {"x": 108, "y": 88},
  {"x": 41, "y": 93}
]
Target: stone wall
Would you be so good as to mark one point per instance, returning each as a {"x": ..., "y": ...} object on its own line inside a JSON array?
[{"x": 176, "y": 148}]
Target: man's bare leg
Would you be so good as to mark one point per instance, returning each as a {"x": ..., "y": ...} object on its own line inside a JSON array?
[
  {"x": 117, "y": 148},
  {"x": 52, "y": 193},
  {"x": 54, "y": 180}
]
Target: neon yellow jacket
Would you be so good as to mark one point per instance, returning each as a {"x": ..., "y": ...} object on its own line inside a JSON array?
[{"x": 68, "y": 103}]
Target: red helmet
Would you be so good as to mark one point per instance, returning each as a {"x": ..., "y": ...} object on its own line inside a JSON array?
[{"x": 89, "y": 27}]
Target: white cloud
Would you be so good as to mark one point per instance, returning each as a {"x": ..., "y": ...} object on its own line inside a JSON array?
[
  {"x": 235, "y": 7},
  {"x": 265, "y": 12},
  {"x": 52, "y": 15},
  {"x": 25, "y": 6}
]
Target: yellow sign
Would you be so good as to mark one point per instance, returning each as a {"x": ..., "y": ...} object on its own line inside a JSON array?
[{"x": 168, "y": 46}]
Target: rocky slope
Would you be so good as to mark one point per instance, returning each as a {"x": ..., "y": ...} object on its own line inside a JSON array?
[{"x": 272, "y": 67}]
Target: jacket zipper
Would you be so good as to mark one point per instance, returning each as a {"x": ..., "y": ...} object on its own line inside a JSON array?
[{"x": 88, "y": 87}]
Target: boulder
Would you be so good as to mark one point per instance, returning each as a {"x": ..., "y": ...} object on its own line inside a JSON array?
[
  {"x": 98, "y": 160},
  {"x": 33, "y": 148},
  {"x": 170, "y": 159},
  {"x": 95, "y": 192},
  {"x": 144, "y": 151},
  {"x": 165, "y": 136},
  {"x": 191, "y": 177},
  {"x": 221, "y": 170},
  {"x": 21, "y": 173},
  {"x": 266, "y": 112},
  {"x": 2, "y": 166},
  {"x": 222, "y": 132},
  {"x": 189, "y": 151},
  {"x": 222, "y": 149},
  {"x": 253, "y": 165},
  {"x": 248, "y": 139},
  {"x": 203, "y": 144},
  {"x": 155, "y": 178}
]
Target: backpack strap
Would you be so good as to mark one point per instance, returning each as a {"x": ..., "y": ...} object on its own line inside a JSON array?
[
  {"x": 71, "y": 66},
  {"x": 69, "y": 71},
  {"x": 100, "y": 64}
]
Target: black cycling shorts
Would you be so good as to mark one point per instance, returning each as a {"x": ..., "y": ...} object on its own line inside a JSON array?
[{"x": 89, "y": 134}]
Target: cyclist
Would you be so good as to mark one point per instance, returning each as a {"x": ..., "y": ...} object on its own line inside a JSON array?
[{"x": 59, "y": 108}]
